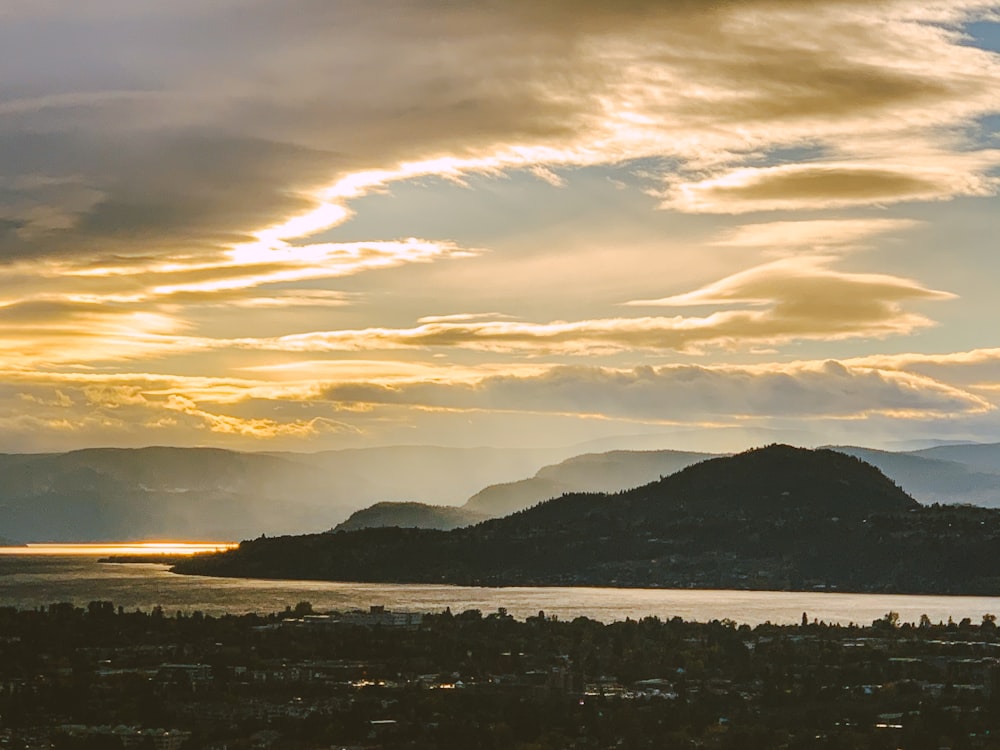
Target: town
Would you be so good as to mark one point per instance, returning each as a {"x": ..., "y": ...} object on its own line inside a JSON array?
[{"x": 99, "y": 677}]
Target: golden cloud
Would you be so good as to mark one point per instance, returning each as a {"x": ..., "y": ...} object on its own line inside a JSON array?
[
  {"x": 831, "y": 185},
  {"x": 229, "y": 150},
  {"x": 778, "y": 237},
  {"x": 798, "y": 298},
  {"x": 680, "y": 393}
]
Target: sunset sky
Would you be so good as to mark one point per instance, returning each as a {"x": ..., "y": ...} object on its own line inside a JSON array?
[{"x": 318, "y": 224}]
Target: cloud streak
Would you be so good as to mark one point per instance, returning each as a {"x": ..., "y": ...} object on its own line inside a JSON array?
[
  {"x": 787, "y": 300},
  {"x": 683, "y": 393},
  {"x": 205, "y": 150},
  {"x": 196, "y": 188},
  {"x": 83, "y": 408}
]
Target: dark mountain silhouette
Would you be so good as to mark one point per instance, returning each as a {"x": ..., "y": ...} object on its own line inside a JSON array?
[
  {"x": 200, "y": 493},
  {"x": 590, "y": 472},
  {"x": 776, "y": 517},
  {"x": 410, "y": 515},
  {"x": 964, "y": 477}
]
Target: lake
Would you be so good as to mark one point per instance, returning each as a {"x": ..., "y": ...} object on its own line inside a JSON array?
[{"x": 31, "y": 580}]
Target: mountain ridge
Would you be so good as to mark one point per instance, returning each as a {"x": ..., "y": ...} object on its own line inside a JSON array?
[
  {"x": 598, "y": 472},
  {"x": 155, "y": 492},
  {"x": 776, "y": 517}
]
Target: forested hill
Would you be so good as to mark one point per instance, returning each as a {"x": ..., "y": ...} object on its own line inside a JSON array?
[{"x": 772, "y": 518}]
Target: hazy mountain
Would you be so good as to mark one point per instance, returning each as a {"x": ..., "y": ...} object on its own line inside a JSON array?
[
  {"x": 105, "y": 494},
  {"x": 927, "y": 478},
  {"x": 204, "y": 493},
  {"x": 931, "y": 477},
  {"x": 981, "y": 456},
  {"x": 591, "y": 472},
  {"x": 599, "y": 472},
  {"x": 431, "y": 474},
  {"x": 918, "y": 444},
  {"x": 410, "y": 515},
  {"x": 776, "y": 517}
]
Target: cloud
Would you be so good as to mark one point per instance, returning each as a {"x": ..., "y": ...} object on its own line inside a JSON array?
[
  {"x": 111, "y": 308},
  {"x": 61, "y": 331},
  {"x": 329, "y": 406},
  {"x": 787, "y": 300},
  {"x": 161, "y": 161},
  {"x": 804, "y": 287},
  {"x": 779, "y": 237},
  {"x": 830, "y": 185},
  {"x": 974, "y": 369},
  {"x": 208, "y": 125},
  {"x": 683, "y": 393},
  {"x": 81, "y": 409},
  {"x": 791, "y": 299}
]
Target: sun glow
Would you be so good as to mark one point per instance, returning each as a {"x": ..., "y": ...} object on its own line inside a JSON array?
[{"x": 124, "y": 548}]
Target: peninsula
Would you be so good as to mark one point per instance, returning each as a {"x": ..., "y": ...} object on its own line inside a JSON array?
[{"x": 778, "y": 518}]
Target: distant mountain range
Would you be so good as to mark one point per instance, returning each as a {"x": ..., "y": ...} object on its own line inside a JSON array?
[
  {"x": 204, "y": 493},
  {"x": 591, "y": 472},
  {"x": 952, "y": 474},
  {"x": 773, "y": 518}
]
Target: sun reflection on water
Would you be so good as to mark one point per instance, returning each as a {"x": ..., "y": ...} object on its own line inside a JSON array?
[{"x": 120, "y": 548}]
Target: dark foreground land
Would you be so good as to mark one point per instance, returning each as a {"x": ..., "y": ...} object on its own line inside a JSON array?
[
  {"x": 104, "y": 678},
  {"x": 778, "y": 518}
]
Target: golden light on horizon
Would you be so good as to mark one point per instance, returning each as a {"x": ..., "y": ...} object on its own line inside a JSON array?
[{"x": 125, "y": 548}]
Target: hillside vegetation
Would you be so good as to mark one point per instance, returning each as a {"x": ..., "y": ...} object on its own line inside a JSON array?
[{"x": 772, "y": 518}]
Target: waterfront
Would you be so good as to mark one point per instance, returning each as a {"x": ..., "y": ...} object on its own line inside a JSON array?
[{"x": 29, "y": 581}]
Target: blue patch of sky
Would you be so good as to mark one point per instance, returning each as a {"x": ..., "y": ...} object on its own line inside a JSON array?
[
  {"x": 790, "y": 155},
  {"x": 985, "y": 34},
  {"x": 987, "y": 130}
]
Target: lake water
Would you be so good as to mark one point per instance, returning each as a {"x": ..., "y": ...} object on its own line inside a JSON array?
[{"x": 29, "y": 581}]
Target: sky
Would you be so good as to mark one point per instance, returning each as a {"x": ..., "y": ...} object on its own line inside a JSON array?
[{"x": 311, "y": 225}]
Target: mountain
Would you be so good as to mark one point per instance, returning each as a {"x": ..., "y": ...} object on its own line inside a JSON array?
[
  {"x": 774, "y": 518},
  {"x": 442, "y": 475},
  {"x": 983, "y": 457},
  {"x": 206, "y": 493},
  {"x": 947, "y": 474},
  {"x": 410, "y": 515},
  {"x": 107, "y": 494},
  {"x": 598, "y": 472},
  {"x": 591, "y": 472}
]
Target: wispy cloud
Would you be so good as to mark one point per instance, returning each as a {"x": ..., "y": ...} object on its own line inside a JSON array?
[
  {"x": 827, "y": 185},
  {"x": 344, "y": 402},
  {"x": 208, "y": 149},
  {"x": 686, "y": 392},
  {"x": 180, "y": 181},
  {"x": 812, "y": 235},
  {"x": 790, "y": 299}
]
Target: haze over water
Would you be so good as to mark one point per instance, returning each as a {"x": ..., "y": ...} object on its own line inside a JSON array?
[{"x": 28, "y": 581}]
